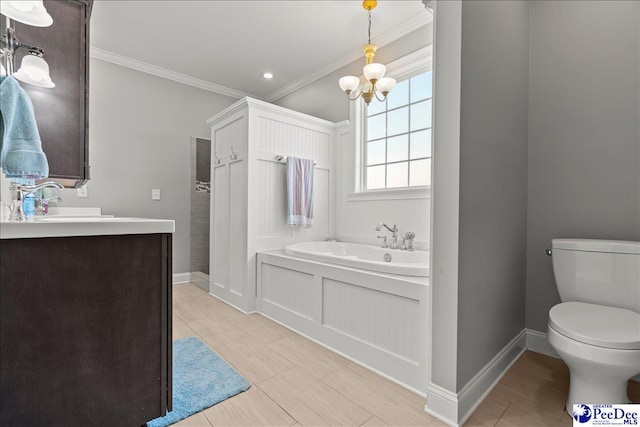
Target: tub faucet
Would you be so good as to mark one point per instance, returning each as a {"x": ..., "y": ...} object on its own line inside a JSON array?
[
  {"x": 19, "y": 191},
  {"x": 408, "y": 239},
  {"x": 394, "y": 230}
]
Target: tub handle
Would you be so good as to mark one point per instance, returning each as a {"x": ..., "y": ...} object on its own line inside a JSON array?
[
  {"x": 384, "y": 242},
  {"x": 409, "y": 236}
]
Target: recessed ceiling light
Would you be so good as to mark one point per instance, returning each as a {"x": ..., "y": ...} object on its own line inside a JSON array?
[{"x": 267, "y": 75}]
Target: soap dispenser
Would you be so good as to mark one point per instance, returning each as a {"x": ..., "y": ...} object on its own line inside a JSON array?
[{"x": 29, "y": 205}]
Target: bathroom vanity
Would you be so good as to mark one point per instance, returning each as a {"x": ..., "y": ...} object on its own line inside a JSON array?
[{"x": 85, "y": 321}]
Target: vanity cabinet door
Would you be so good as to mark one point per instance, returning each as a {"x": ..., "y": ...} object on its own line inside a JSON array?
[
  {"x": 62, "y": 112},
  {"x": 85, "y": 330}
]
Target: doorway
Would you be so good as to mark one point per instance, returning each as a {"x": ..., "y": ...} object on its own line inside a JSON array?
[{"x": 200, "y": 211}]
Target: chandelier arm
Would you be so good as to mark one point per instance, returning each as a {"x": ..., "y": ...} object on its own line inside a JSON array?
[
  {"x": 376, "y": 94},
  {"x": 357, "y": 96}
]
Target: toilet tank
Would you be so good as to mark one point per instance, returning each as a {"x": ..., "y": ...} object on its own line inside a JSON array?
[{"x": 605, "y": 272}]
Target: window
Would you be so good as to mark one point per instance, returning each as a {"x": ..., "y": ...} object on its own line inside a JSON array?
[{"x": 397, "y": 136}]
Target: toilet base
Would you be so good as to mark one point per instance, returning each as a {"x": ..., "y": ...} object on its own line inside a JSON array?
[
  {"x": 597, "y": 375},
  {"x": 590, "y": 388}
]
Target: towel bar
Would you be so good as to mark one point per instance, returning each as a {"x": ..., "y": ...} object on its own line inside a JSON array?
[{"x": 280, "y": 158}]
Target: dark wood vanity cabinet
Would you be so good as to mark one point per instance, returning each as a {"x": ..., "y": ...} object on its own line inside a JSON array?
[
  {"x": 85, "y": 330},
  {"x": 62, "y": 112}
]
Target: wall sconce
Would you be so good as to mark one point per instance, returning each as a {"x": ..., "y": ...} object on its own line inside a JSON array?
[
  {"x": 28, "y": 12},
  {"x": 34, "y": 69}
]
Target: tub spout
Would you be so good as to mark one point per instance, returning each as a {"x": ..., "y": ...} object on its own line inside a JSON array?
[{"x": 394, "y": 230}]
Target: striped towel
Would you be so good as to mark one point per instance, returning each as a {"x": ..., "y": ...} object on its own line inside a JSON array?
[{"x": 299, "y": 191}]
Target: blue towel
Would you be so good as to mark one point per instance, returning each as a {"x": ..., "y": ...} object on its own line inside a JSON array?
[
  {"x": 21, "y": 155},
  {"x": 299, "y": 191}
]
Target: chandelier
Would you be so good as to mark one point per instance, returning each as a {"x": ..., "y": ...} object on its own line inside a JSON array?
[{"x": 375, "y": 83}]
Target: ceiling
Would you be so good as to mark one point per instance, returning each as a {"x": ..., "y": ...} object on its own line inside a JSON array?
[{"x": 226, "y": 46}]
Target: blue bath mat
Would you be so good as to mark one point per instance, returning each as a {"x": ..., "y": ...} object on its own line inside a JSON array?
[{"x": 200, "y": 380}]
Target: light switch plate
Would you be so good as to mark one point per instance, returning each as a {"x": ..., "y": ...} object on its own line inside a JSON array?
[
  {"x": 155, "y": 194},
  {"x": 83, "y": 192}
]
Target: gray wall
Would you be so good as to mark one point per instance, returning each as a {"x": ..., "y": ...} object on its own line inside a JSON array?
[
  {"x": 493, "y": 181},
  {"x": 479, "y": 204},
  {"x": 323, "y": 97},
  {"x": 584, "y": 142},
  {"x": 445, "y": 197},
  {"x": 140, "y": 129}
]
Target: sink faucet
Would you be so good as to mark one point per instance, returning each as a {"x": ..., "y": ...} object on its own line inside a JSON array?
[
  {"x": 394, "y": 230},
  {"x": 42, "y": 205},
  {"x": 19, "y": 191}
]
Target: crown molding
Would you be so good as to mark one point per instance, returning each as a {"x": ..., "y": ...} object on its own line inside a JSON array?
[
  {"x": 144, "y": 67},
  {"x": 383, "y": 39},
  {"x": 267, "y": 106}
]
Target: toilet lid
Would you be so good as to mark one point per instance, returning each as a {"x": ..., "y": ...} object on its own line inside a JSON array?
[{"x": 598, "y": 325}]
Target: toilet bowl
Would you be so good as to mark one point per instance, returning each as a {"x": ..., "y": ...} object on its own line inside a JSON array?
[
  {"x": 596, "y": 329},
  {"x": 600, "y": 363}
]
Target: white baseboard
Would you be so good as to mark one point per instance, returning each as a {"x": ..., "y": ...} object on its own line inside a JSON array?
[
  {"x": 455, "y": 408},
  {"x": 230, "y": 304},
  {"x": 474, "y": 392},
  {"x": 442, "y": 405},
  {"x": 537, "y": 341},
  {"x": 181, "y": 278}
]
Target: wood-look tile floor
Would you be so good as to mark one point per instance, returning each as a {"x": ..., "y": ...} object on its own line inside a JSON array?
[{"x": 295, "y": 382}]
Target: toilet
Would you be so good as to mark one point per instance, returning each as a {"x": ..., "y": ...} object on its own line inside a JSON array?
[{"x": 596, "y": 327}]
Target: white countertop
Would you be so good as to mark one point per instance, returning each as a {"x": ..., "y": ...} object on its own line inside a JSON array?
[{"x": 68, "y": 226}]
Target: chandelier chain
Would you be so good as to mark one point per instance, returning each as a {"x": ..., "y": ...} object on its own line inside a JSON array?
[{"x": 369, "y": 31}]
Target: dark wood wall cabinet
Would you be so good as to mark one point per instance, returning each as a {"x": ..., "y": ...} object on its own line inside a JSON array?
[
  {"x": 85, "y": 330},
  {"x": 62, "y": 112}
]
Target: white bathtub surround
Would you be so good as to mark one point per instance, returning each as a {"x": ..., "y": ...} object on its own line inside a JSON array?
[
  {"x": 367, "y": 257},
  {"x": 248, "y": 204},
  {"x": 378, "y": 320}
]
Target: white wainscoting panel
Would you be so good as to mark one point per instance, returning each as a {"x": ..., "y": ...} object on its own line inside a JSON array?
[
  {"x": 322, "y": 205},
  {"x": 389, "y": 322},
  {"x": 249, "y": 203},
  {"x": 378, "y": 321},
  {"x": 273, "y": 200},
  {"x": 237, "y": 224},
  {"x": 220, "y": 251},
  {"x": 293, "y": 140},
  {"x": 287, "y": 288}
]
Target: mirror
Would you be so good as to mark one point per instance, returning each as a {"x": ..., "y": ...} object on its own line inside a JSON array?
[{"x": 62, "y": 111}]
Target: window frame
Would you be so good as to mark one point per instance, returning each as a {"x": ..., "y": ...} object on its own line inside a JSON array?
[{"x": 401, "y": 69}]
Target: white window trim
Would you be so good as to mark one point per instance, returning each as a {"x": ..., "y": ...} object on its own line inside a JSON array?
[
  {"x": 413, "y": 63},
  {"x": 404, "y": 193}
]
